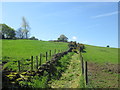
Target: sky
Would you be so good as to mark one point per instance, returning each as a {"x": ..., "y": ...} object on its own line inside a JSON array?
[{"x": 93, "y": 23}]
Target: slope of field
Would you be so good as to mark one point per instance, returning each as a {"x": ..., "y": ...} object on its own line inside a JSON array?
[
  {"x": 101, "y": 54},
  {"x": 18, "y": 49}
]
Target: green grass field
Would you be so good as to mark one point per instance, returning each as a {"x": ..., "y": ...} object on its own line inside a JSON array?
[
  {"x": 101, "y": 54},
  {"x": 18, "y": 49}
]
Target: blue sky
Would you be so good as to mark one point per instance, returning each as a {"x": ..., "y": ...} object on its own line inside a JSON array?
[{"x": 94, "y": 23}]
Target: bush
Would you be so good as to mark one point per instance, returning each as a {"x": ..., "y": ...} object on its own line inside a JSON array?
[
  {"x": 33, "y": 38},
  {"x": 108, "y": 46}
]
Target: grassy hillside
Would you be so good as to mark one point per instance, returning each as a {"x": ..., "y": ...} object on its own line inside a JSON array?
[
  {"x": 102, "y": 66},
  {"x": 101, "y": 54},
  {"x": 102, "y": 61},
  {"x": 18, "y": 49}
]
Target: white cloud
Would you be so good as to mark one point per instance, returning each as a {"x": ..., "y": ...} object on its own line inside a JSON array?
[
  {"x": 74, "y": 38},
  {"x": 106, "y": 14}
]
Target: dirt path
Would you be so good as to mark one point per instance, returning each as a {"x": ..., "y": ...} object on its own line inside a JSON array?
[
  {"x": 71, "y": 77},
  {"x": 103, "y": 76}
]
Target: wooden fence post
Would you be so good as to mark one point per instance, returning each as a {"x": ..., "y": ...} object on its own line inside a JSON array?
[
  {"x": 31, "y": 63},
  {"x": 86, "y": 70},
  {"x": 46, "y": 56},
  {"x": 37, "y": 62},
  {"x": 50, "y": 53},
  {"x": 80, "y": 54},
  {"x": 19, "y": 66},
  {"x": 40, "y": 59},
  {"x": 82, "y": 63},
  {"x": 58, "y": 51},
  {"x": 55, "y": 51}
]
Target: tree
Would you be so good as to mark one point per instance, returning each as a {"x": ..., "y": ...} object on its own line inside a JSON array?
[
  {"x": 24, "y": 29},
  {"x": 19, "y": 33},
  {"x": 108, "y": 46},
  {"x": 33, "y": 38},
  {"x": 6, "y": 32},
  {"x": 63, "y": 38}
]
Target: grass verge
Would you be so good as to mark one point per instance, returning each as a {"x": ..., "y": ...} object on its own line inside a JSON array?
[{"x": 70, "y": 78}]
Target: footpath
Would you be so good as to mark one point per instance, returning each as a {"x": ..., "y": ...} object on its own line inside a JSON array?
[{"x": 71, "y": 77}]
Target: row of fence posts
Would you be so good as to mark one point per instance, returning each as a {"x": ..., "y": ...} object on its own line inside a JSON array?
[
  {"x": 40, "y": 61},
  {"x": 84, "y": 69}
]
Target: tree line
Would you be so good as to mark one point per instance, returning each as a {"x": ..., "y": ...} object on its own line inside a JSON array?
[{"x": 6, "y": 32}]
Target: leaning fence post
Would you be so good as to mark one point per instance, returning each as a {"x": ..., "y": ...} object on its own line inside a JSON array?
[
  {"x": 86, "y": 70},
  {"x": 37, "y": 62},
  {"x": 19, "y": 66},
  {"x": 40, "y": 59},
  {"x": 31, "y": 63},
  {"x": 46, "y": 56}
]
